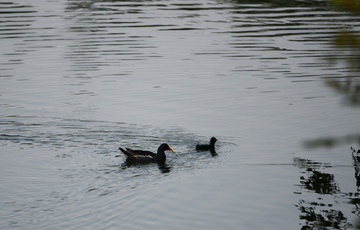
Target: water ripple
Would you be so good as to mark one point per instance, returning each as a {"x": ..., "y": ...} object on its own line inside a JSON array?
[{"x": 79, "y": 79}]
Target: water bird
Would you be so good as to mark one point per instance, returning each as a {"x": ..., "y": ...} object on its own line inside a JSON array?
[
  {"x": 146, "y": 156},
  {"x": 208, "y": 147}
]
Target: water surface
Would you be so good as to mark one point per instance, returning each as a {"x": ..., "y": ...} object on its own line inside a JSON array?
[{"x": 79, "y": 79}]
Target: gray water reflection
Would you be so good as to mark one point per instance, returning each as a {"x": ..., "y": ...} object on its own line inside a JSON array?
[{"x": 319, "y": 212}]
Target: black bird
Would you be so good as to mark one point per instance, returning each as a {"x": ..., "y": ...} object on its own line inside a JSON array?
[
  {"x": 208, "y": 147},
  {"x": 145, "y": 156}
]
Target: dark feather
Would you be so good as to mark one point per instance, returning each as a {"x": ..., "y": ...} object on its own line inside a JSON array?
[{"x": 142, "y": 156}]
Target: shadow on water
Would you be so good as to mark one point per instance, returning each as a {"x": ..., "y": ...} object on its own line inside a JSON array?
[{"x": 321, "y": 212}]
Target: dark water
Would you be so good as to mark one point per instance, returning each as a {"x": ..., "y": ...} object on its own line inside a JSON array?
[{"x": 79, "y": 79}]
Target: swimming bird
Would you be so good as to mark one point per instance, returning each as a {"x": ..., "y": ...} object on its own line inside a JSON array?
[
  {"x": 145, "y": 156},
  {"x": 208, "y": 147}
]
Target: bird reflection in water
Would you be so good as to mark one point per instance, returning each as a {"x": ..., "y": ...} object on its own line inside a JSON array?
[{"x": 162, "y": 165}]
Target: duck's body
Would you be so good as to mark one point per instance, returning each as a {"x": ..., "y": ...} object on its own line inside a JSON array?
[
  {"x": 208, "y": 147},
  {"x": 145, "y": 156}
]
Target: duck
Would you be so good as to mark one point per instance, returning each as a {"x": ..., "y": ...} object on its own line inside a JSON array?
[
  {"x": 208, "y": 147},
  {"x": 146, "y": 156}
]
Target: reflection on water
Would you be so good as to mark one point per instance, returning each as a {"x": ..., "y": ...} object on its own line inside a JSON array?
[
  {"x": 321, "y": 183},
  {"x": 321, "y": 212},
  {"x": 317, "y": 214},
  {"x": 355, "y": 196},
  {"x": 356, "y": 162},
  {"x": 163, "y": 166}
]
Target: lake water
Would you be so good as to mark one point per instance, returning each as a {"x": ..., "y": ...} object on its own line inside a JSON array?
[{"x": 79, "y": 79}]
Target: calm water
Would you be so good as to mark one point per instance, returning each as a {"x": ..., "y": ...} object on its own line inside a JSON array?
[{"x": 79, "y": 79}]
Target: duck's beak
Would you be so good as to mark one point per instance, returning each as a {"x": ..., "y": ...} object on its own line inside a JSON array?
[{"x": 170, "y": 149}]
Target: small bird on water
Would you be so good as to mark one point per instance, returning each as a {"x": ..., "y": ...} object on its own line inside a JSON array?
[
  {"x": 208, "y": 147},
  {"x": 146, "y": 156}
]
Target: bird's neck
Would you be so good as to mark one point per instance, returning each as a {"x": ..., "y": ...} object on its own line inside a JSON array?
[{"x": 161, "y": 155}]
